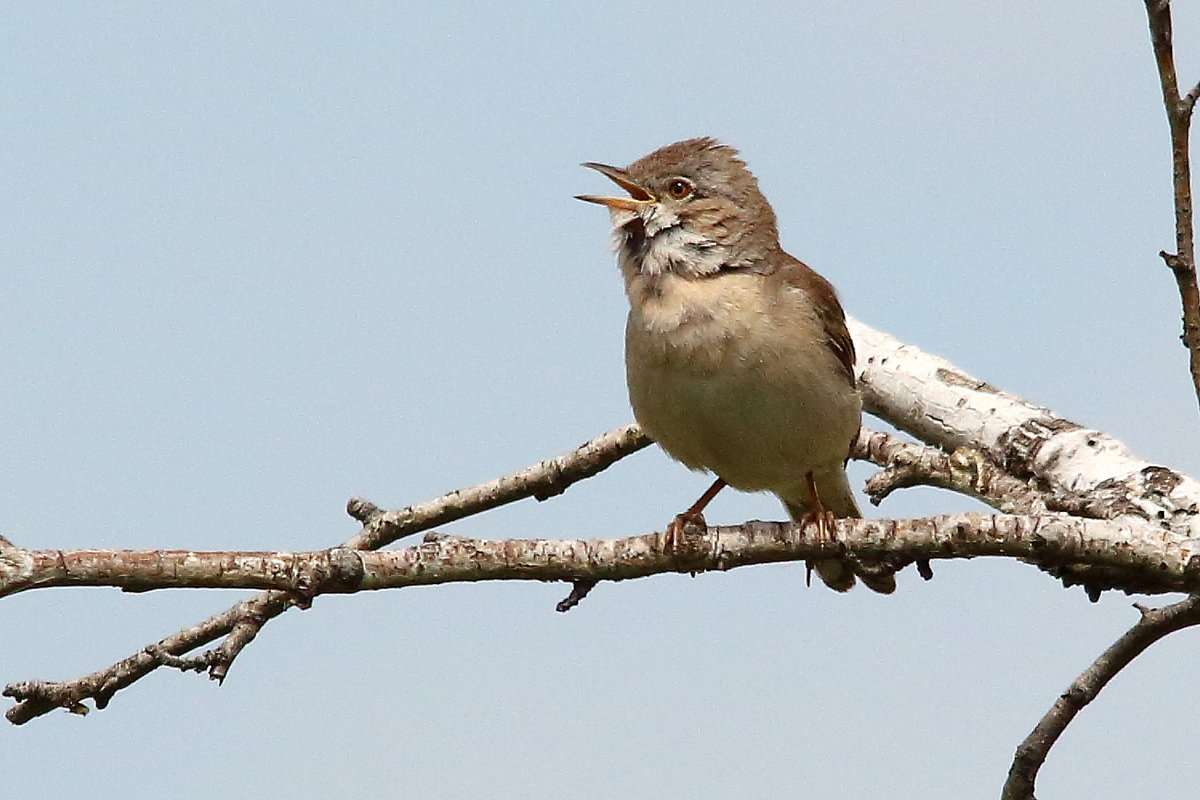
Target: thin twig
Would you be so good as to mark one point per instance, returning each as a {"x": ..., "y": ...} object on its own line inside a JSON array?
[
  {"x": 965, "y": 471},
  {"x": 543, "y": 481},
  {"x": 973, "y": 473},
  {"x": 1154, "y": 625},
  {"x": 1179, "y": 118},
  {"x": 245, "y": 619}
]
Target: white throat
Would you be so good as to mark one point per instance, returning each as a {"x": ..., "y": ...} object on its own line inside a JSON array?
[{"x": 656, "y": 242}]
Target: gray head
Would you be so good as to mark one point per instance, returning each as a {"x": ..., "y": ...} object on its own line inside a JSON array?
[{"x": 693, "y": 209}]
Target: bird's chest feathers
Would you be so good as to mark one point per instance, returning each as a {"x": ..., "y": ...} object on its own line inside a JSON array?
[
  {"x": 702, "y": 323},
  {"x": 728, "y": 378}
]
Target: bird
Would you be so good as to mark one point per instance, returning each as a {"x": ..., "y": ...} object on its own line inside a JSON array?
[{"x": 738, "y": 360}]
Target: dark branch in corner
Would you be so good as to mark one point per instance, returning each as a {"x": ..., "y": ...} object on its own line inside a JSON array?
[
  {"x": 1154, "y": 625},
  {"x": 1179, "y": 118}
]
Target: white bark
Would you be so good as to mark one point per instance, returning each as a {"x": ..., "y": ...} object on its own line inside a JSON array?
[{"x": 1084, "y": 471}]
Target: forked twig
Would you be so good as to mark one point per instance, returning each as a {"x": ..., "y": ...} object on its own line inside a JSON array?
[
  {"x": 1155, "y": 623},
  {"x": 241, "y": 623}
]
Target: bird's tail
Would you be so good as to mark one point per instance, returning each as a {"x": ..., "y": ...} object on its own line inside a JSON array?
[{"x": 833, "y": 489}]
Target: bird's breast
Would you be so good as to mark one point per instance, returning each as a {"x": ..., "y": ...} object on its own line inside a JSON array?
[{"x": 728, "y": 378}]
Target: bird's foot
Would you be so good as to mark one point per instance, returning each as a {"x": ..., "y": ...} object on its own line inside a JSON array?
[
  {"x": 675, "y": 534},
  {"x": 674, "y": 537},
  {"x": 824, "y": 521},
  {"x": 834, "y": 573}
]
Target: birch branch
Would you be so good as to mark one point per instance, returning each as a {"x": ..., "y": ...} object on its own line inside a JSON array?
[
  {"x": 1131, "y": 547},
  {"x": 965, "y": 471},
  {"x": 915, "y": 391},
  {"x": 1080, "y": 470},
  {"x": 240, "y": 623}
]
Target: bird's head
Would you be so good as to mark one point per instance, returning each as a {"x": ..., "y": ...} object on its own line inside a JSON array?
[{"x": 693, "y": 209}]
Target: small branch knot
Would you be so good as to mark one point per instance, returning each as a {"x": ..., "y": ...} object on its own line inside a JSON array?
[
  {"x": 362, "y": 510},
  {"x": 1189, "y": 100},
  {"x": 579, "y": 590},
  {"x": 1173, "y": 261}
]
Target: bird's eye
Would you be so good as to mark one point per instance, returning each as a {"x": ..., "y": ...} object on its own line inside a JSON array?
[{"x": 679, "y": 188}]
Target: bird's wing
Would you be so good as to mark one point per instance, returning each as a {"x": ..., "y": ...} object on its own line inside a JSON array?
[{"x": 795, "y": 273}]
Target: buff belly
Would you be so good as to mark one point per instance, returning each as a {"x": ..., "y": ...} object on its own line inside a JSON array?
[{"x": 722, "y": 389}]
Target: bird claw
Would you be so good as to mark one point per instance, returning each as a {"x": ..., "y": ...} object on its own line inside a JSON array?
[
  {"x": 824, "y": 521},
  {"x": 674, "y": 536}
]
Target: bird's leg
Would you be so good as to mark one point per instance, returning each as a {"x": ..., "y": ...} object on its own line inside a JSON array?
[
  {"x": 818, "y": 514},
  {"x": 694, "y": 514}
]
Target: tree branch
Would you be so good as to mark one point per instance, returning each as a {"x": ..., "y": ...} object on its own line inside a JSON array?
[
  {"x": 1158, "y": 623},
  {"x": 1074, "y": 468},
  {"x": 1154, "y": 625},
  {"x": 1129, "y": 546},
  {"x": 542, "y": 481},
  {"x": 241, "y": 623},
  {"x": 1044, "y": 540},
  {"x": 1179, "y": 119},
  {"x": 965, "y": 471},
  {"x": 1084, "y": 471},
  {"x": 915, "y": 391}
]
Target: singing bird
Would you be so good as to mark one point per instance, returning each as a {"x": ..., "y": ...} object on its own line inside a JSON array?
[{"x": 737, "y": 356}]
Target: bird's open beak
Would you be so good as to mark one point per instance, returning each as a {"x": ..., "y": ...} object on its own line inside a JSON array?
[{"x": 638, "y": 197}]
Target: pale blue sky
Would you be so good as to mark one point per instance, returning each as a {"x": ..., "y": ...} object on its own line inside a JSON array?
[{"x": 263, "y": 258}]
